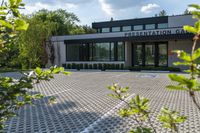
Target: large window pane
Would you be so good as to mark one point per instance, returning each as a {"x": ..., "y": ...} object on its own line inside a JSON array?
[
  {"x": 138, "y": 55},
  {"x": 121, "y": 51},
  {"x": 112, "y": 51},
  {"x": 150, "y": 26},
  {"x": 150, "y": 54},
  {"x": 138, "y": 27},
  {"x": 104, "y": 30},
  {"x": 162, "y": 54},
  {"x": 71, "y": 54},
  {"x": 126, "y": 28},
  {"x": 115, "y": 29},
  {"x": 162, "y": 26},
  {"x": 101, "y": 52},
  {"x": 77, "y": 52}
]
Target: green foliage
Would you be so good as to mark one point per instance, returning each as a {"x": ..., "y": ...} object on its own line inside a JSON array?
[
  {"x": 190, "y": 84},
  {"x": 170, "y": 119},
  {"x": 136, "y": 107},
  {"x": 15, "y": 93}
]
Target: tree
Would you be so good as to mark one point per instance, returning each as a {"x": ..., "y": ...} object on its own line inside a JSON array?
[
  {"x": 32, "y": 43},
  {"x": 14, "y": 93},
  {"x": 42, "y": 26},
  {"x": 161, "y": 13},
  {"x": 187, "y": 12}
]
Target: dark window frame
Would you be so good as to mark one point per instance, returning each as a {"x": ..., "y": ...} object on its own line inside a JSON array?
[{"x": 90, "y": 53}]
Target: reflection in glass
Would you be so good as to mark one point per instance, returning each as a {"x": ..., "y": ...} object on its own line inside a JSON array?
[
  {"x": 149, "y": 54},
  {"x": 104, "y": 30},
  {"x": 138, "y": 55},
  {"x": 71, "y": 55},
  {"x": 112, "y": 51},
  {"x": 115, "y": 29},
  {"x": 138, "y": 27},
  {"x": 150, "y": 26},
  {"x": 121, "y": 51},
  {"x": 162, "y": 25},
  {"x": 126, "y": 28},
  {"x": 162, "y": 54},
  {"x": 101, "y": 52}
]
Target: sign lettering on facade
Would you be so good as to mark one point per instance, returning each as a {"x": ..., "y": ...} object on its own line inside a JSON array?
[{"x": 155, "y": 32}]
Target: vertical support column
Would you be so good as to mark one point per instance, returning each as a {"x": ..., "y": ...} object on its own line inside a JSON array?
[{"x": 128, "y": 54}]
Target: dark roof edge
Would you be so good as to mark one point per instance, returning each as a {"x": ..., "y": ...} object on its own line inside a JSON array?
[{"x": 140, "y": 18}]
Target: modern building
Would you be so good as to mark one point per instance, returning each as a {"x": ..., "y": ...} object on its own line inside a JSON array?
[{"x": 133, "y": 42}]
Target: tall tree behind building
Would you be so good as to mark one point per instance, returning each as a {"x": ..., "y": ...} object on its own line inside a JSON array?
[{"x": 161, "y": 13}]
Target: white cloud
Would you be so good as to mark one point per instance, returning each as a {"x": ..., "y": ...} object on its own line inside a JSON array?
[
  {"x": 190, "y": 9},
  {"x": 149, "y": 8},
  {"x": 38, "y": 5},
  {"x": 106, "y": 7},
  {"x": 71, "y": 6}
]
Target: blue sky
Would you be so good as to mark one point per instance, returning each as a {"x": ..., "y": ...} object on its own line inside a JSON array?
[{"x": 90, "y": 11}]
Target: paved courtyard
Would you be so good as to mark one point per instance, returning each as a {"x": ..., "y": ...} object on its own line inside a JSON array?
[{"x": 84, "y": 107}]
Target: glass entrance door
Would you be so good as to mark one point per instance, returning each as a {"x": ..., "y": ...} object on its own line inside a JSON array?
[{"x": 150, "y": 54}]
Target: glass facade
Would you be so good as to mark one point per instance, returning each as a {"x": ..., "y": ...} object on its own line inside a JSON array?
[
  {"x": 81, "y": 54},
  {"x": 108, "y": 51},
  {"x": 120, "y": 51},
  {"x": 162, "y": 54},
  {"x": 163, "y": 25},
  {"x": 101, "y": 52},
  {"x": 105, "y": 30},
  {"x": 116, "y": 29},
  {"x": 138, "y": 27},
  {"x": 150, "y": 26},
  {"x": 126, "y": 28},
  {"x": 150, "y": 54}
]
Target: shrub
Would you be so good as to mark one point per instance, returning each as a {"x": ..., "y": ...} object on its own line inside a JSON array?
[
  {"x": 86, "y": 66},
  {"x": 104, "y": 67},
  {"x": 94, "y": 66},
  {"x": 117, "y": 66},
  {"x": 90, "y": 66},
  {"x": 64, "y": 65},
  {"x": 78, "y": 67},
  {"x": 69, "y": 66},
  {"x": 122, "y": 66},
  {"x": 100, "y": 66},
  {"x": 113, "y": 66},
  {"x": 81, "y": 66},
  {"x": 73, "y": 66}
]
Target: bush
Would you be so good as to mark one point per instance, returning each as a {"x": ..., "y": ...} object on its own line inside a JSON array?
[
  {"x": 100, "y": 66},
  {"x": 117, "y": 66},
  {"x": 94, "y": 66},
  {"x": 122, "y": 66},
  {"x": 69, "y": 66},
  {"x": 73, "y": 66},
  {"x": 112, "y": 66},
  {"x": 90, "y": 66},
  {"x": 64, "y": 65},
  {"x": 78, "y": 67},
  {"x": 86, "y": 66},
  {"x": 104, "y": 67},
  {"x": 81, "y": 66}
]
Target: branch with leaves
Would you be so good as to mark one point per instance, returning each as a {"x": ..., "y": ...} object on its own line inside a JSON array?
[
  {"x": 138, "y": 109},
  {"x": 15, "y": 93},
  {"x": 192, "y": 60}
]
